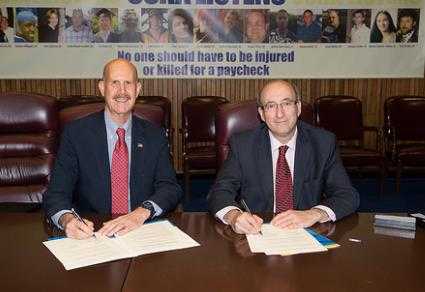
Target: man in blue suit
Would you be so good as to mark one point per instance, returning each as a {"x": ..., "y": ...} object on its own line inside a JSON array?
[
  {"x": 112, "y": 162},
  {"x": 284, "y": 166}
]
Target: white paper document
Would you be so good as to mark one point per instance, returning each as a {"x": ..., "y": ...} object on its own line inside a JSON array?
[
  {"x": 148, "y": 238},
  {"x": 276, "y": 241}
]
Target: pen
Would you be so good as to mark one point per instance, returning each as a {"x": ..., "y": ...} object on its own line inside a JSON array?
[
  {"x": 77, "y": 216},
  {"x": 80, "y": 219},
  {"x": 245, "y": 206}
]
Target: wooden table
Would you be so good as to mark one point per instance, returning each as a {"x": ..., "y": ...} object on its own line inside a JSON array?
[
  {"x": 27, "y": 265},
  {"x": 222, "y": 263}
]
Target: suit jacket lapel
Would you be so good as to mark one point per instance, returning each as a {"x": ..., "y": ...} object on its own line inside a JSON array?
[
  {"x": 138, "y": 158},
  {"x": 102, "y": 160},
  {"x": 265, "y": 168},
  {"x": 301, "y": 164}
]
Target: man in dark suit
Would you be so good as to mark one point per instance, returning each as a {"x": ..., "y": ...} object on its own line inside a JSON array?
[
  {"x": 112, "y": 162},
  {"x": 285, "y": 166}
]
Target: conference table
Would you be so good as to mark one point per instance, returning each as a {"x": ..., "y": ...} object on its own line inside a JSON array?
[{"x": 223, "y": 262}]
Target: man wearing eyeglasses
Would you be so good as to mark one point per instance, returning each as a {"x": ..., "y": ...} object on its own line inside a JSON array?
[{"x": 284, "y": 166}]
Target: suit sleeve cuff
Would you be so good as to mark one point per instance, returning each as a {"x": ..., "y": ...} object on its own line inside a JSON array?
[
  {"x": 221, "y": 213},
  {"x": 329, "y": 212},
  {"x": 55, "y": 218},
  {"x": 158, "y": 209}
]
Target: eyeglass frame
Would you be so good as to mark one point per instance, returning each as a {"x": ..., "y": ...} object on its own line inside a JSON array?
[{"x": 285, "y": 104}]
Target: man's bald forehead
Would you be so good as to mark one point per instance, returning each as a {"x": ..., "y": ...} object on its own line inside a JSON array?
[
  {"x": 110, "y": 64},
  {"x": 280, "y": 85}
]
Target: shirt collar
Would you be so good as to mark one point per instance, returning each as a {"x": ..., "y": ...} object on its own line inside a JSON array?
[
  {"x": 360, "y": 26},
  {"x": 408, "y": 35},
  {"x": 111, "y": 126},
  {"x": 275, "y": 143}
]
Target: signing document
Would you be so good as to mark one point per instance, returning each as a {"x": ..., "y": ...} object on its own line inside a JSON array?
[
  {"x": 276, "y": 241},
  {"x": 148, "y": 238}
]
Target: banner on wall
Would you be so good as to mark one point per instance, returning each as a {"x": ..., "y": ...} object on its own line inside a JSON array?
[{"x": 213, "y": 38}]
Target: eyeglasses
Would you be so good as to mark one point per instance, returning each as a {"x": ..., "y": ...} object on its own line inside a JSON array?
[{"x": 273, "y": 106}]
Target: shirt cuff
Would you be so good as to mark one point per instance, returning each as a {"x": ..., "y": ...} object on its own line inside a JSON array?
[
  {"x": 158, "y": 210},
  {"x": 329, "y": 212},
  {"x": 55, "y": 218},
  {"x": 221, "y": 213}
]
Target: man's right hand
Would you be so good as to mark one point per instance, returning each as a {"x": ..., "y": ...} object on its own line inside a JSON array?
[
  {"x": 74, "y": 228},
  {"x": 243, "y": 222}
]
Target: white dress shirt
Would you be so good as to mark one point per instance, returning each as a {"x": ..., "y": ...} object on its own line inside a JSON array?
[{"x": 360, "y": 35}]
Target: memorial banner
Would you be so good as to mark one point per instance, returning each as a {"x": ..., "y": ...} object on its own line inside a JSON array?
[{"x": 213, "y": 38}]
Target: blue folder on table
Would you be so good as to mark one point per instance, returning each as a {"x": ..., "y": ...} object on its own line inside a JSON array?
[{"x": 323, "y": 240}]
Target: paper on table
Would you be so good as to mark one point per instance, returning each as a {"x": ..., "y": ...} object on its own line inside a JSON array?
[
  {"x": 148, "y": 238},
  {"x": 74, "y": 253},
  {"x": 156, "y": 237},
  {"x": 276, "y": 241}
]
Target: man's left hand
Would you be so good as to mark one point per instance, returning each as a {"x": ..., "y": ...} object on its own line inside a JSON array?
[
  {"x": 299, "y": 219},
  {"x": 125, "y": 223}
]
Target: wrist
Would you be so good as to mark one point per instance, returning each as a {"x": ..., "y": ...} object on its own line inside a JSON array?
[
  {"x": 231, "y": 216},
  {"x": 65, "y": 219},
  {"x": 143, "y": 214},
  {"x": 148, "y": 206},
  {"x": 320, "y": 215}
]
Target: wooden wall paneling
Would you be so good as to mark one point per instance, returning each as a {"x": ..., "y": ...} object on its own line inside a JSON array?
[{"x": 372, "y": 92}]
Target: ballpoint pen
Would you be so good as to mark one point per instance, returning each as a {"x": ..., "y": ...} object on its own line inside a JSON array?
[
  {"x": 80, "y": 219},
  {"x": 245, "y": 206},
  {"x": 78, "y": 216}
]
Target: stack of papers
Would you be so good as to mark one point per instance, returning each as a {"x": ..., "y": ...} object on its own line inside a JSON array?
[
  {"x": 408, "y": 223},
  {"x": 276, "y": 241},
  {"x": 148, "y": 238}
]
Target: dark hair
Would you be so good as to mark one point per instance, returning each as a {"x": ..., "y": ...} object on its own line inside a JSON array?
[
  {"x": 107, "y": 13},
  {"x": 308, "y": 11},
  {"x": 183, "y": 14},
  {"x": 361, "y": 11},
  {"x": 375, "y": 34},
  {"x": 412, "y": 13}
]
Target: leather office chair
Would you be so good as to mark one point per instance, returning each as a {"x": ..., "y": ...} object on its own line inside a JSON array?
[
  {"x": 342, "y": 115},
  {"x": 152, "y": 113},
  {"x": 233, "y": 118},
  {"x": 198, "y": 131},
  {"x": 77, "y": 99},
  {"x": 307, "y": 113},
  {"x": 165, "y": 104},
  {"x": 28, "y": 141},
  {"x": 406, "y": 117},
  {"x": 388, "y": 138}
]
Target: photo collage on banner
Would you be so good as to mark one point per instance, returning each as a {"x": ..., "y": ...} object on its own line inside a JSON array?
[
  {"x": 172, "y": 39},
  {"x": 73, "y": 25}
]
